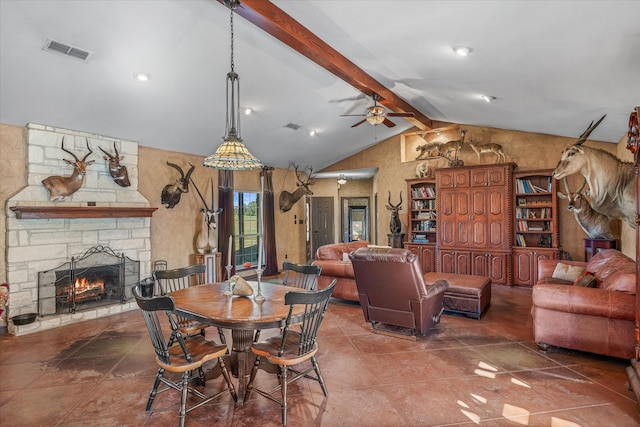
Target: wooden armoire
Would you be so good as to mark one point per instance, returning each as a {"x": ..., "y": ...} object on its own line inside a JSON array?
[{"x": 475, "y": 221}]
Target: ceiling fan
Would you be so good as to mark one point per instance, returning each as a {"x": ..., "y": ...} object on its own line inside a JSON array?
[{"x": 376, "y": 115}]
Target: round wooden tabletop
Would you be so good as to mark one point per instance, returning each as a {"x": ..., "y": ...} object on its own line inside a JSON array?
[{"x": 208, "y": 304}]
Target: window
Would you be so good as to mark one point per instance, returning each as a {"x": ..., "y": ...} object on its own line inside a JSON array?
[{"x": 245, "y": 235}]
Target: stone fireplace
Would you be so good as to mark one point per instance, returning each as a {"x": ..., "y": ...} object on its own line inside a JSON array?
[{"x": 44, "y": 236}]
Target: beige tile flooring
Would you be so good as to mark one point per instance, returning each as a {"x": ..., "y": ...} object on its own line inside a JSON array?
[{"x": 466, "y": 372}]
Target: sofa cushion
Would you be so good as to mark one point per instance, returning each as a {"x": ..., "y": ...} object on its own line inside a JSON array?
[
  {"x": 609, "y": 261},
  {"x": 622, "y": 282},
  {"x": 567, "y": 272},
  {"x": 587, "y": 280}
]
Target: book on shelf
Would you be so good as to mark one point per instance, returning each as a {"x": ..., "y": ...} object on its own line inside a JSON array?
[{"x": 520, "y": 241}]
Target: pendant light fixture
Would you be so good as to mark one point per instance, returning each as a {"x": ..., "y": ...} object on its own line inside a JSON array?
[{"x": 232, "y": 154}]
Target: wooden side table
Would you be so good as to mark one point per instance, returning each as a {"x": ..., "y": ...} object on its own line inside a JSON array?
[{"x": 593, "y": 246}]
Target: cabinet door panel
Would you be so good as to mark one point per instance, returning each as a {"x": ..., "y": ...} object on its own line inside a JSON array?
[
  {"x": 462, "y": 231},
  {"x": 447, "y": 262},
  {"x": 478, "y": 219},
  {"x": 497, "y": 220},
  {"x": 496, "y": 176},
  {"x": 446, "y": 218},
  {"x": 463, "y": 262},
  {"x": 498, "y": 268},
  {"x": 523, "y": 268},
  {"x": 461, "y": 178},
  {"x": 428, "y": 258},
  {"x": 478, "y": 177}
]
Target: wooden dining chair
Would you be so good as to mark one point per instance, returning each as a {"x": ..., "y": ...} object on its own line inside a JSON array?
[
  {"x": 293, "y": 347},
  {"x": 172, "y": 280},
  {"x": 301, "y": 275},
  {"x": 159, "y": 264},
  {"x": 184, "y": 357}
]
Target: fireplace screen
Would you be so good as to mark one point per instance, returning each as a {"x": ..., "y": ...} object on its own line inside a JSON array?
[{"x": 96, "y": 278}]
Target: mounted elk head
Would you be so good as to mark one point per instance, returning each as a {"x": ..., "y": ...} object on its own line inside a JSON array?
[
  {"x": 394, "y": 225},
  {"x": 116, "y": 170},
  {"x": 595, "y": 224},
  {"x": 611, "y": 181},
  {"x": 62, "y": 186},
  {"x": 287, "y": 200},
  {"x": 207, "y": 239},
  {"x": 171, "y": 192}
]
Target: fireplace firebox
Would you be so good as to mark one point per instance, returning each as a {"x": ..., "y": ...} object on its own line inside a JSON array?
[{"x": 96, "y": 278}]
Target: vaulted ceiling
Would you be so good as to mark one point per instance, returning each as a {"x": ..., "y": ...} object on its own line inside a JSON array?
[{"x": 551, "y": 66}]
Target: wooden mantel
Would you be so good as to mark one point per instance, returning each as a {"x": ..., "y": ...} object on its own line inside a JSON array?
[{"x": 51, "y": 212}]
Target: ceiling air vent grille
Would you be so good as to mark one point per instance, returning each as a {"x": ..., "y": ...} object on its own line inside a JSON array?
[
  {"x": 293, "y": 126},
  {"x": 66, "y": 50}
]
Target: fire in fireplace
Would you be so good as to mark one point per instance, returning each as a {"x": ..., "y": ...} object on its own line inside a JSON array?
[{"x": 98, "y": 277}]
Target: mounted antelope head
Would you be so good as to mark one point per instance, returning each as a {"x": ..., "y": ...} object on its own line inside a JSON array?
[
  {"x": 395, "y": 226},
  {"x": 62, "y": 186},
  {"x": 595, "y": 224},
  {"x": 287, "y": 200},
  {"x": 611, "y": 181},
  {"x": 207, "y": 238},
  {"x": 118, "y": 172},
  {"x": 171, "y": 192}
]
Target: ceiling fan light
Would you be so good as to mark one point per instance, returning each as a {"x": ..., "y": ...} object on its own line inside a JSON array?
[{"x": 375, "y": 119}]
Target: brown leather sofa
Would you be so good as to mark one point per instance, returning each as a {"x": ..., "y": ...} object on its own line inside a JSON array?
[
  {"x": 335, "y": 266},
  {"x": 597, "y": 320},
  {"x": 393, "y": 291}
]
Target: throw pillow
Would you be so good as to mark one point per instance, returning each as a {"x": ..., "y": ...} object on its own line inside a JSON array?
[
  {"x": 345, "y": 257},
  {"x": 567, "y": 272},
  {"x": 587, "y": 280}
]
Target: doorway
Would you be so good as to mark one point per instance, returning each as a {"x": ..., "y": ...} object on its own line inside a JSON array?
[
  {"x": 321, "y": 223},
  {"x": 355, "y": 219}
]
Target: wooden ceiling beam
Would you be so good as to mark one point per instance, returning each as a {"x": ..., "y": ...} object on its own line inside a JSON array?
[{"x": 283, "y": 27}]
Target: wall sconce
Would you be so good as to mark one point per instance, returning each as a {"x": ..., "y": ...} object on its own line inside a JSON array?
[{"x": 342, "y": 179}]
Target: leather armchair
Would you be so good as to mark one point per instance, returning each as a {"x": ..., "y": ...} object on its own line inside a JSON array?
[{"x": 392, "y": 290}]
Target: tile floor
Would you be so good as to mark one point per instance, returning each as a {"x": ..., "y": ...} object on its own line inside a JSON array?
[{"x": 467, "y": 372}]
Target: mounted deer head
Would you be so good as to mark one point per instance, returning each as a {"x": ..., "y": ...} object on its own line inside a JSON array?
[
  {"x": 395, "y": 226},
  {"x": 287, "y": 199},
  {"x": 171, "y": 192},
  {"x": 118, "y": 172},
  {"x": 207, "y": 239},
  {"x": 62, "y": 186}
]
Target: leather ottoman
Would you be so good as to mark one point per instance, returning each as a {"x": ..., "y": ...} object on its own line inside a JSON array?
[{"x": 467, "y": 295}]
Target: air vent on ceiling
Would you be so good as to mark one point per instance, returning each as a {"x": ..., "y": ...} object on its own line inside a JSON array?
[
  {"x": 293, "y": 126},
  {"x": 66, "y": 50}
]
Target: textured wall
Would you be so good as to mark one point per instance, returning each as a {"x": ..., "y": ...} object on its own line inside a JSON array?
[
  {"x": 13, "y": 178},
  {"x": 527, "y": 150}
]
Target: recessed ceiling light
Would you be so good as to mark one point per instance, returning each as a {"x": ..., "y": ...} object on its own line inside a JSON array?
[
  {"x": 462, "y": 50},
  {"x": 312, "y": 132},
  {"x": 488, "y": 98},
  {"x": 142, "y": 77},
  {"x": 248, "y": 111}
]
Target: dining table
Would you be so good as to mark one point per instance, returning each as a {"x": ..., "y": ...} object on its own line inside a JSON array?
[{"x": 243, "y": 315}]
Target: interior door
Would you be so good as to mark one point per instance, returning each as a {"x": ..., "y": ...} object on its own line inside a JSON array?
[{"x": 322, "y": 229}]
